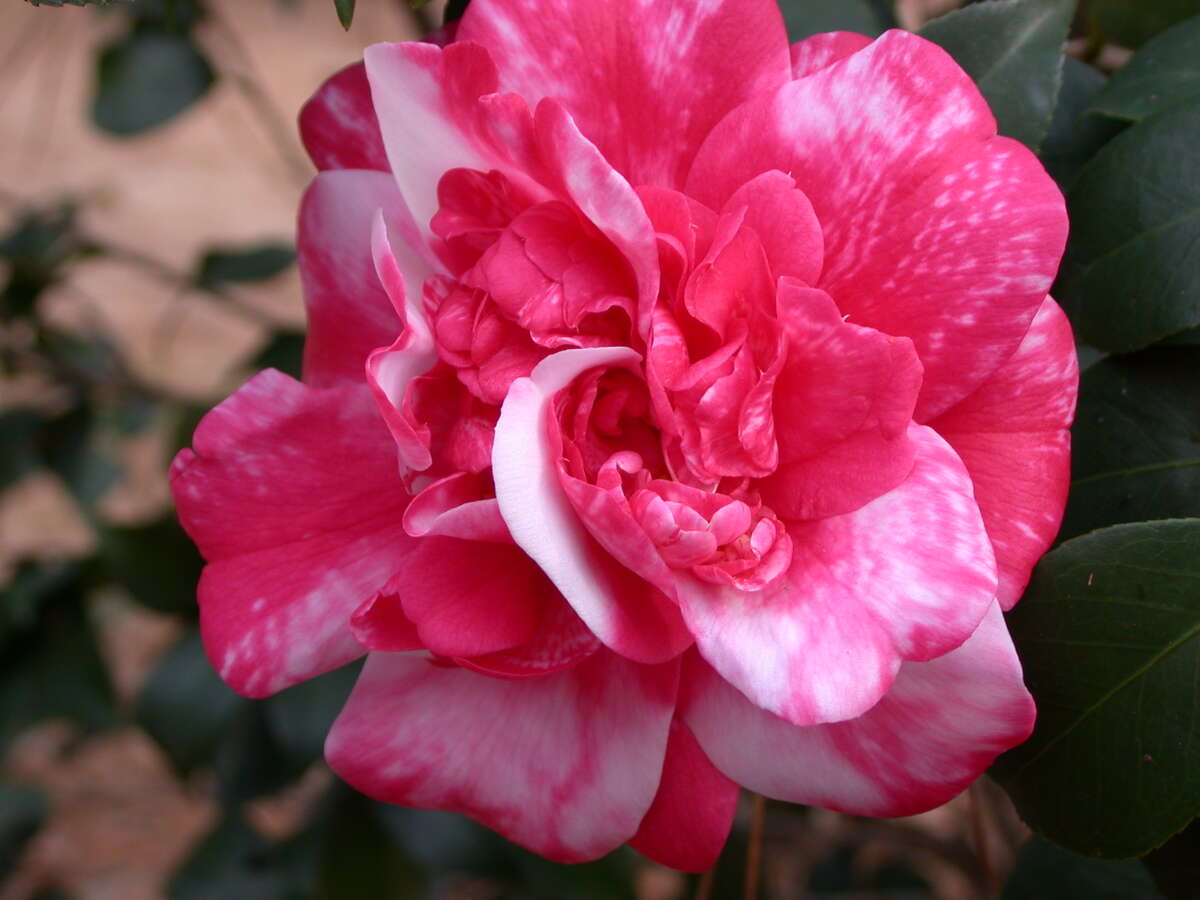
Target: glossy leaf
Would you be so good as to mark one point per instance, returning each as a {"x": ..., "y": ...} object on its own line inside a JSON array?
[
  {"x": 1133, "y": 22},
  {"x": 1074, "y": 136},
  {"x": 1164, "y": 72},
  {"x": 1131, "y": 276},
  {"x": 145, "y": 79},
  {"x": 1049, "y": 872},
  {"x": 1109, "y": 636},
  {"x": 233, "y": 860},
  {"x": 156, "y": 562},
  {"x": 1175, "y": 866},
  {"x": 185, "y": 706},
  {"x": 1136, "y": 453},
  {"x": 301, "y": 716},
  {"x": 284, "y": 351},
  {"x": 806, "y": 17},
  {"x": 21, "y": 812},
  {"x": 1014, "y": 51}
]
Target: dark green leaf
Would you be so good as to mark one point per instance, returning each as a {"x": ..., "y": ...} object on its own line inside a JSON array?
[
  {"x": 285, "y": 352},
  {"x": 172, "y": 16},
  {"x": 146, "y": 78},
  {"x": 455, "y": 10},
  {"x": 1047, "y": 872},
  {"x": 1014, "y": 51},
  {"x": 1175, "y": 866},
  {"x": 227, "y": 264},
  {"x": 250, "y": 763},
  {"x": 345, "y": 12},
  {"x": 301, "y": 716},
  {"x": 21, "y": 812},
  {"x": 30, "y": 586},
  {"x": 185, "y": 706},
  {"x": 359, "y": 859},
  {"x": 1133, "y": 22},
  {"x": 1164, "y": 72},
  {"x": 1109, "y": 636},
  {"x": 1074, "y": 137},
  {"x": 1136, "y": 441},
  {"x": 38, "y": 244},
  {"x": 1135, "y": 216},
  {"x": 234, "y": 861},
  {"x": 156, "y": 562},
  {"x": 19, "y": 430},
  {"x": 807, "y": 17},
  {"x": 55, "y": 669}
]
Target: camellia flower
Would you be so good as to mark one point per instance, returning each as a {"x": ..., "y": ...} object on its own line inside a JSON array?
[{"x": 679, "y": 412}]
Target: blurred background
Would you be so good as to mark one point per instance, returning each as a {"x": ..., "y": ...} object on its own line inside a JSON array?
[{"x": 149, "y": 178}]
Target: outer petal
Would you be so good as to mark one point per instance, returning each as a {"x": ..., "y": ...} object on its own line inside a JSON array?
[
  {"x": 692, "y": 812},
  {"x": 338, "y": 124},
  {"x": 938, "y": 728},
  {"x": 292, "y": 496},
  {"x": 1013, "y": 434},
  {"x": 349, "y": 312},
  {"x": 934, "y": 229},
  {"x": 623, "y": 611},
  {"x": 645, "y": 81},
  {"x": 566, "y": 765},
  {"x": 908, "y": 576},
  {"x": 821, "y": 50}
]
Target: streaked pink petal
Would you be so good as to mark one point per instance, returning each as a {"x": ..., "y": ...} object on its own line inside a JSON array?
[
  {"x": 934, "y": 228},
  {"x": 456, "y": 506},
  {"x": 941, "y": 724},
  {"x": 380, "y": 622},
  {"x": 692, "y": 812},
  {"x": 908, "y": 576},
  {"x": 623, "y": 611},
  {"x": 646, "y": 82},
  {"x": 338, "y": 124},
  {"x": 1013, "y": 435},
  {"x": 292, "y": 496},
  {"x": 785, "y": 223},
  {"x": 349, "y": 312},
  {"x": 566, "y": 765},
  {"x": 815, "y": 53}
]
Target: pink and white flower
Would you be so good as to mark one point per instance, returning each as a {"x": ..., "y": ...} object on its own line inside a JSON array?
[{"x": 680, "y": 410}]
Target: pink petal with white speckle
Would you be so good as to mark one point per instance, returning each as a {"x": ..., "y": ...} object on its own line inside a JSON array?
[
  {"x": 338, "y": 124},
  {"x": 566, "y": 765}
]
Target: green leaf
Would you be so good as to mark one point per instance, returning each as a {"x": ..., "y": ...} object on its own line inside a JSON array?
[
  {"x": 804, "y": 18},
  {"x": 1014, "y": 51},
  {"x": 1131, "y": 277},
  {"x": 21, "y": 812},
  {"x": 156, "y": 562},
  {"x": 146, "y": 78},
  {"x": 235, "y": 861},
  {"x": 1136, "y": 441},
  {"x": 1047, "y": 872},
  {"x": 1164, "y": 72},
  {"x": 19, "y": 430},
  {"x": 301, "y": 716},
  {"x": 55, "y": 669},
  {"x": 38, "y": 244},
  {"x": 285, "y": 352},
  {"x": 1133, "y": 22},
  {"x": 1075, "y": 137},
  {"x": 185, "y": 706},
  {"x": 1109, "y": 636},
  {"x": 455, "y": 10},
  {"x": 222, "y": 265},
  {"x": 358, "y": 858},
  {"x": 345, "y": 12},
  {"x": 1175, "y": 866},
  {"x": 250, "y": 762}
]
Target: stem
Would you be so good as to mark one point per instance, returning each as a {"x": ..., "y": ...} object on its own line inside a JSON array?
[{"x": 754, "y": 848}]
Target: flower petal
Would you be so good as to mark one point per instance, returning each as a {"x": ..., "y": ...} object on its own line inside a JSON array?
[
  {"x": 292, "y": 496},
  {"x": 1013, "y": 435},
  {"x": 691, "y": 815},
  {"x": 349, "y": 312},
  {"x": 624, "y": 612},
  {"x": 338, "y": 124},
  {"x": 908, "y": 576},
  {"x": 821, "y": 50},
  {"x": 565, "y": 765},
  {"x": 941, "y": 724},
  {"x": 934, "y": 228},
  {"x": 646, "y": 82}
]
